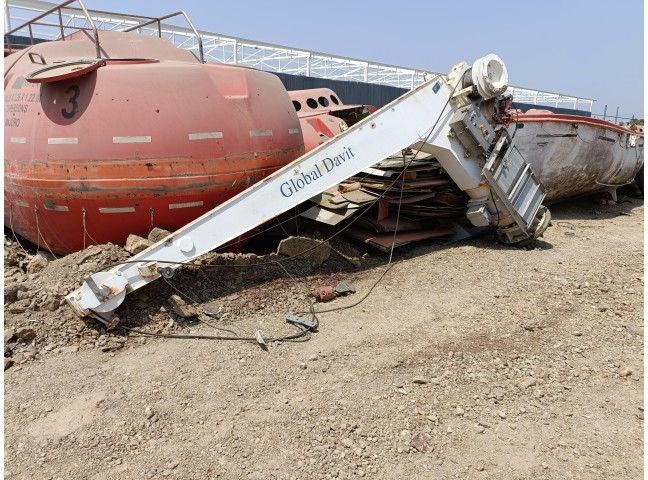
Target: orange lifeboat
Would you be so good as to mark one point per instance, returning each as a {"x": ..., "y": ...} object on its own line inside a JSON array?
[
  {"x": 323, "y": 115},
  {"x": 101, "y": 146}
]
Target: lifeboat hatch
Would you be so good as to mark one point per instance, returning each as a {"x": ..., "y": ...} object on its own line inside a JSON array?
[{"x": 63, "y": 70}]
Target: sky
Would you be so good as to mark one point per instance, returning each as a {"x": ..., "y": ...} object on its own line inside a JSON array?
[{"x": 592, "y": 49}]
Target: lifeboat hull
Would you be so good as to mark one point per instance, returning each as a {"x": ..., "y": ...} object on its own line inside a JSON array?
[
  {"x": 323, "y": 115},
  {"x": 574, "y": 155},
  {"x": 149, "y": 138}
]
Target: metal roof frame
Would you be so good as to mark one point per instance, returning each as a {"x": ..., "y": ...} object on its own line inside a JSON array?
[{"x": 250, "y": 53}]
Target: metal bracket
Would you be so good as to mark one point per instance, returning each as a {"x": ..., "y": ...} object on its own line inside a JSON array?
[
  {"x": 101, "y": 293},
  {"x": 36, "y": 54},
  {"x": 513, "y": 181},
  {"x": 110, "y": 323},
  {"x": 473, "y": 130},
  {"x": 166, "y": 272},
  {"x": 304, "y": 322}
]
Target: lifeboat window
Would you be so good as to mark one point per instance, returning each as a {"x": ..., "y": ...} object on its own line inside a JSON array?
[
  {"x": 335, "y": 100},
  {"x": 311, "y": 103},
  {"x": 323, "y": 101},
  {"x": 297, "y": 105}
]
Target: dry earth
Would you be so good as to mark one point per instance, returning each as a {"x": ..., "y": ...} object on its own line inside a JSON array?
[{"x": 470, "y": 360}]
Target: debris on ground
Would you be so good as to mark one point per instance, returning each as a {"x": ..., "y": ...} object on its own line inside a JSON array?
[
  {"x": 313, "y": 250},
  {"x": 467, "y": 361}
]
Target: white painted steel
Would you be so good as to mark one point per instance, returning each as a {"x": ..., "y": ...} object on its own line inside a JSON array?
[
  {"x": 418, "y": 119},
  {"x": 490, "y": 77},
  {"x": 108, "y": 280}
]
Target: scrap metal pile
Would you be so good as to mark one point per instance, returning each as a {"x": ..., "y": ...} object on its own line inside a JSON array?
[{"x": 402, "y": 199}]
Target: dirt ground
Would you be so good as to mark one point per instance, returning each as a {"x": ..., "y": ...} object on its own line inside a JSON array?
[{"x": 471, "y": 360}]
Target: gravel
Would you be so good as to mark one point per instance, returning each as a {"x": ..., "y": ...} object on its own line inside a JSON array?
[{"x": 471, "y": 360}]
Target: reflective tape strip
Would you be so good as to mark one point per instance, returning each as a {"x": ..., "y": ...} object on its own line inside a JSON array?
[
  {"x": 143, "y": 139},
  {"x": 63, "y": 141},
  {"x": 57, "y": 208},
  {"x": 186, "y": 205},
  {"x": 260, "y": 133},
  {"x": 292, "y": 131},
  {"x": 18, "y": 140},
  {"x": 20, "y": 203},
  {"x": 116, "y": 210},
  {"x": 205, "y": 135}
]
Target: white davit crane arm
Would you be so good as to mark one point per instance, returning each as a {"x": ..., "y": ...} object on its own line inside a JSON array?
[{"x": 452, "y": 118}]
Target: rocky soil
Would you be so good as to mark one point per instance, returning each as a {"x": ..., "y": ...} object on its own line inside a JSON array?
[{"x": 470, "y": 360}]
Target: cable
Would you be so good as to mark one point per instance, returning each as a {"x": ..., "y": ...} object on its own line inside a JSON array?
[
  {"x": 398, "y": 210},
  {"x": 237, "y": 335},
  {"x": 345, "y": 307},
  {"x": 40, "y": 235},
  {"x": 496, "y": 210},
  {"x": 287, "y": 338},
  {"x": 389, "y": 262},
  {"x": 85, "y": 230},
  {"x": 178, "y": 290},
  {"x": 312, "y": 310},
  {"x": 516, "y": 121},
  {"x": 13, "y": 233},
  {"x": 151, "y": 226},
  {"x": 345, "y": 227}
]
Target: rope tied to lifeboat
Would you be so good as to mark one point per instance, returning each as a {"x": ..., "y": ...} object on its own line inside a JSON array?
[
  {"x": 151, "y": 224},
  {"x": 85, "y": 231},
  {"x": 39, "y": 235},
  {"x": 13, "y": 233}
]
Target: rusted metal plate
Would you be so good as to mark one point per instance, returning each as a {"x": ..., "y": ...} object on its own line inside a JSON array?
[
  {"x": 434, "y": 211},
  {"x": 383, "y": 209},
  {"x": 383, "y": 241},
  {"x": 379, "y": 172},
  {"x": 339, "y": 204},
  {"x": 413, "y": 199},
  {"x": 408, "y": 184},
  {"x": 328, "y": 217},
  {"x": 360, "y": 196},
  {"x": 388, "y": 224}
]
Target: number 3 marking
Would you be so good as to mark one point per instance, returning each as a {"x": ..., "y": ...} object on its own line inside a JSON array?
[{"x": 73, "y": 100}]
